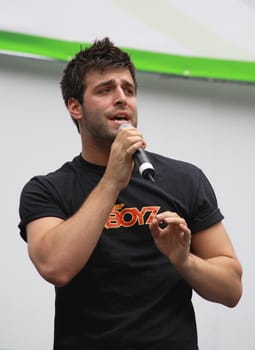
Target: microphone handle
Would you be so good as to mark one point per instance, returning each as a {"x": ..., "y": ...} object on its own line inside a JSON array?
[{"x": 143, "y": 164}]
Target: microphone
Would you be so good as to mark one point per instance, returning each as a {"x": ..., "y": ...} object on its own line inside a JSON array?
[{"x": 142, "y": 161}]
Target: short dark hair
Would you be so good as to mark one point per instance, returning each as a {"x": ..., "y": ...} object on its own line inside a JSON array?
[{"x": 101, "y": 55}]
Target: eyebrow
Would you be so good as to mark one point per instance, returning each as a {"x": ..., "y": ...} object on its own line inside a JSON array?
[{"x": 112, "y": 82}]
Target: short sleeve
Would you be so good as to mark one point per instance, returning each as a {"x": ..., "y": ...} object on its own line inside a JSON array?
[
  {"x": 205, "y": 212},
  {"x": 38, "y": 199}
]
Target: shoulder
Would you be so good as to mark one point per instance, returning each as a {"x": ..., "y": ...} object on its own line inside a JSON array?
[
  {"x": 180, "y": 177},
  {"x": 174, "y": 167},
  {"x": 53, "y": 179},
  {"x": 191, "y": 189},
  {"x": 47, "y": 196}
]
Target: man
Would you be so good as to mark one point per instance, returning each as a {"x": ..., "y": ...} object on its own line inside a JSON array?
[{"x": 124, "y": 253}]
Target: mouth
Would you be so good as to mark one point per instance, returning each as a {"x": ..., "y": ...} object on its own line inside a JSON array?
[{"x": 120, "y": 119}]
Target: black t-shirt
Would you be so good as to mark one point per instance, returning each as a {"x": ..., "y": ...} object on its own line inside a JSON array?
[{"x": 128, "y": 296}]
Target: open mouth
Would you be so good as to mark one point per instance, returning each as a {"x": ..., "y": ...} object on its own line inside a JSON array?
[{"x": 120, "y": 119}]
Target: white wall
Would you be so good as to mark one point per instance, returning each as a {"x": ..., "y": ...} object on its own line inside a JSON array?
[
  {"x": 160, "y": 26},
  {"x": 207, "y": 123}
]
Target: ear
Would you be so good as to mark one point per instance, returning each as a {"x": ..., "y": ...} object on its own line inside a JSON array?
[{"x": 75, "y": 108}]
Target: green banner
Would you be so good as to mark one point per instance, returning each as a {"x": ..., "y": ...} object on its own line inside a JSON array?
[{"x": 147, "y": 61}]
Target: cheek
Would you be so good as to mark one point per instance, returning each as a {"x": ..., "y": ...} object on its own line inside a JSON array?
[
  {"x": 133, "y": 104},
  {"x": 96, "y": 106},
  {"x": 133, "y": 108}
]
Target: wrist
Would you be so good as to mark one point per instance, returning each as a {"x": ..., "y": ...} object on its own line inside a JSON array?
[
  {"x": 115, "y": 182},
  {"x": 108, "y": 186},
  {"x": 184, "y": 264}
]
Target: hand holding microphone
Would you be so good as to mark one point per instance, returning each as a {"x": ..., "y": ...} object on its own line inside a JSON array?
[{"x": 142, "y": 161}]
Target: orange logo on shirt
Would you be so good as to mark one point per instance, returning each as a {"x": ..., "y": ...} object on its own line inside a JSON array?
[{"x": 128, "y": 217}]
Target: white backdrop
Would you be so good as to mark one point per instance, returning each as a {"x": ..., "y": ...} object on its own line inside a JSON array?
[
  {"x": 209, "y": 124},
  {"x": 217, "y": 29}
]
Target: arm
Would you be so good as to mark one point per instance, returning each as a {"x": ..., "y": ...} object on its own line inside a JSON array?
[
  {"x": 212, "y": 268},
  {"x": 59, "y": 249}
]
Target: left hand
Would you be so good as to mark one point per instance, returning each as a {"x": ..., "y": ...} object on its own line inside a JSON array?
[{"x": 173, "y": 239}]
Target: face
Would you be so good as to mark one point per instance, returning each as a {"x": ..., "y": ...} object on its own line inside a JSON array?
[{"x": 109, "y": 100}]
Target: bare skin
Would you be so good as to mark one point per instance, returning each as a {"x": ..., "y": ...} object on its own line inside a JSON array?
[
  {"x": 212, "y": 269},
  {"x": 206, "y": 259}
]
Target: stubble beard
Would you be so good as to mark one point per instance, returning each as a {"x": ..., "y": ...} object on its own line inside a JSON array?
[{"x": 98, "y": 131}]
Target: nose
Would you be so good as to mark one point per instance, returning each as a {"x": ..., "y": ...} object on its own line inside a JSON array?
[{"x": 120, "y": 96}]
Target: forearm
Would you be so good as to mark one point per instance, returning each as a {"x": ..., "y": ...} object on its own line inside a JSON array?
[
  {"x": 65, "y": 248},
  {"x": 60, "y": 249},
  {"x": 217, "y": 279}
]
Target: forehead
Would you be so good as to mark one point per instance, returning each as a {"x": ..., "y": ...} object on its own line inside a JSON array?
[{"x": 118, "y": 75}]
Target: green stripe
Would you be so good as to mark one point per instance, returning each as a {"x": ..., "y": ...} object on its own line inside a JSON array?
[{"x": 147, "y": 61}]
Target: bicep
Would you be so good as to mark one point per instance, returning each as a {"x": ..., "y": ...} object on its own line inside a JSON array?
[
  {"x": 212, "y": 242},
  {"x": 36, "y": 231}
]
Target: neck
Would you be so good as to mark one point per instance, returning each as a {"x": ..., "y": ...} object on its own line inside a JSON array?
[{"x": 96, "y": 153}]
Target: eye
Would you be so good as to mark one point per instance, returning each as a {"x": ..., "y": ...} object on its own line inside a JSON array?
[
  {"x": 129, "y": 91},
  {"x": 104, "y": 90}
]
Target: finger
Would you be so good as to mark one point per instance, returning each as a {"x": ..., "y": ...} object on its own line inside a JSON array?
[
  {"x": 155, "y": 227},
  {"x": 185, "y": 234},
  {"x": 134, "y": 147},
  {"x": 175, "y": 220},
  {"x": 165, "y": 214},
  {"x": 185, "y": 228}
]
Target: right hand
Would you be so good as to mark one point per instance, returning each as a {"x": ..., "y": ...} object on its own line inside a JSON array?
[{"x": 120, "y": 163}]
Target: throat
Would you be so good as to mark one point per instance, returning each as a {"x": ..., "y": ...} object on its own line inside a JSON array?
[{"x": 96, "y": 153}]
